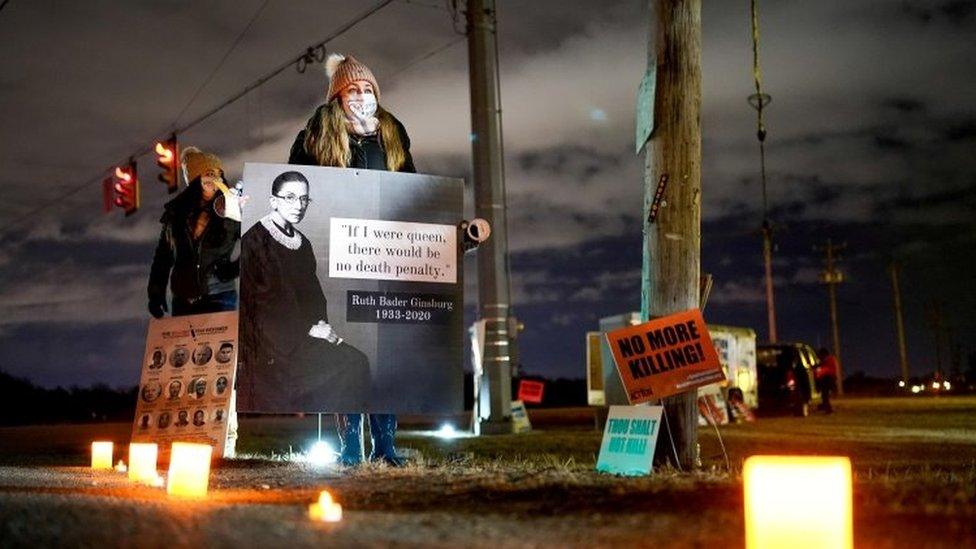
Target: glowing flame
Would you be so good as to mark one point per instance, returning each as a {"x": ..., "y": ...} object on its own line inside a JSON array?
[
  {"x": 165, "y": 154},
  {"x": 325, "y": 509},
  {"x": 122, "y": 174},
  {"x": 798, "y": 502}
]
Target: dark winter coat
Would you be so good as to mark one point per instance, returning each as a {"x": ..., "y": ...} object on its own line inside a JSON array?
[
  {"x": 367, "y": 152},
  {"x": 193, "y": 269}
]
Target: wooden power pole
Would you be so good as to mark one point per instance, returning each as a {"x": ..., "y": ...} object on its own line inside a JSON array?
[
  {"x": 489, "y": 190},
  {"x": 899, "y": 321},
  {"x": 832, "y": 277},
  {"x": 672, "y": 238}
]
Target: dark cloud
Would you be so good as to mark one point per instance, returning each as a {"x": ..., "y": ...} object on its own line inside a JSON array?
[
  {"x": 905, "y": 105},
  {"x": 577, "y": 163}
]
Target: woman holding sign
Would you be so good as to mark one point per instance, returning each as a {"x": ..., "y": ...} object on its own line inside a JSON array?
[{"x": 351, "y": 130}]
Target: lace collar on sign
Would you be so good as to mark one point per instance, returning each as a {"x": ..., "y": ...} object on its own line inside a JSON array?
[{"x": 292, "y": 242}]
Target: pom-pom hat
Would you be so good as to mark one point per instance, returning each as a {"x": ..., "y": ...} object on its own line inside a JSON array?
[
  {"x": 196, "y": 163},
  {"x": 344, "y": 70}
]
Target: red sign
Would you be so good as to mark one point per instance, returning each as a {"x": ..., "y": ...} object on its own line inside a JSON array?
[
  {"x": 665, "y": 356},
  {"x": 531, "y": 391}
]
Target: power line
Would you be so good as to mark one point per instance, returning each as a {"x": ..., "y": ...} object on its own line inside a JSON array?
[
  {"x": 305, "y": 58},
  {"x": 220, "y": 63},
  {"x": 428, "y": 55}
]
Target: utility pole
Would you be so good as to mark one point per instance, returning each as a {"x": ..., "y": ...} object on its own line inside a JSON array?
[
  {"x": 832, "y": 277},
  {"x": 489, "y": 186},
  {"x": 759, "y": 101},
  {"x": 672, "y": 239},
  {"x": 899, "y": 322}
]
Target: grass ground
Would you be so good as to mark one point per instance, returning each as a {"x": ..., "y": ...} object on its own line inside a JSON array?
[{"x": 914, "y": 462}]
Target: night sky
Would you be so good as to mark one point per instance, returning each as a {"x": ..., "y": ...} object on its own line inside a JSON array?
[{"x": 871, "y": 143}]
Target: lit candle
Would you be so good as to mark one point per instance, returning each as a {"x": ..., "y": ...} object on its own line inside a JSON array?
[
  {"x": 189, "y": 470},
  {"x": 325, "y": 510},
  {"x": 798, "y": 502},
  {"x": 120, "y": 467},
  {"x": 142, "y": 462},
  {"x": 101, "y": 455}
]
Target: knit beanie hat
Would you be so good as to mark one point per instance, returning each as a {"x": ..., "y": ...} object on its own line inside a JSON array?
[
  {"x": 343, "y": 70},
  {"x": 196, "y": 163}
]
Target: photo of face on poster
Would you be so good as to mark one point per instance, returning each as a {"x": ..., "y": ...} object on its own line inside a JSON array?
[
  {"x": 226, "y": 353},
  {"x": 179, "y": 357},
  {"x": 198, "y": 388},
  {"x": 151, "y": 391},
  {"x": 182, "y": 418},
  {"x": 164, "y": 420},
  {"x": 220, "y": 386},
  {"x": 158, "y": 359},
  {"x": 174, "y": 388},
  {"x": 198, "y": 418},
  {"x": 202, "y": 354},
  {"x": 351, "y": 296}
]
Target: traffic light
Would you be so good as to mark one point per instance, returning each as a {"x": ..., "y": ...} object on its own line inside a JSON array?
[
  {"x": 167, "y": 158},
  {"x": 127, "y": 187}
]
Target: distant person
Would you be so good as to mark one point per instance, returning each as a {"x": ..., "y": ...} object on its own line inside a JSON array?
[{"x": 826, "y": 378}]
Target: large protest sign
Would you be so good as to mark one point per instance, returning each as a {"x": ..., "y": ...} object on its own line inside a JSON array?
[
  {"x": 629, "y": 439},
  {"x": 665, "y": 356},
  {"x": 187, "y": 380},
  {"x": 351, "y": 292}
]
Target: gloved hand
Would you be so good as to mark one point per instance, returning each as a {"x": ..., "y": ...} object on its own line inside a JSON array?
[{"x": 157, "y": 307}]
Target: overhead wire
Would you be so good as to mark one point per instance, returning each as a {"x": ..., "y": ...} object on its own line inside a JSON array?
[
  {"x": 220, "y": 63},
  {"x": 259, "y": 82}
]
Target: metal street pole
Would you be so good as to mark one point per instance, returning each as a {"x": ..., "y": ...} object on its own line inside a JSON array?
[
  {"x": 672, "y": 239},
  {"x": 494, "y": 306}
]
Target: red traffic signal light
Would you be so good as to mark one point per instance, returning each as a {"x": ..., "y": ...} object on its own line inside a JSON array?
[
  {"x": 167, "y": 158},
  {"x": 127, "y": 188}
]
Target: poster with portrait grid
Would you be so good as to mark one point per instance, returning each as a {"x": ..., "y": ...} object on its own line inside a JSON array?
[{"x": 187, "y": 380}]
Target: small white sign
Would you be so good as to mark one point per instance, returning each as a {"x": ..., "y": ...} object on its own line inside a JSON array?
[
  {"x": 520, "y": 418},
  {"x": 375, "y": 249},
  {"x": 629, "y": 439}
]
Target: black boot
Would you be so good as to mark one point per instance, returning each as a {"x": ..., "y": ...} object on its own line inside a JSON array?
[
  {"x": 383, "y": 428},
  {"x": 349, "y": 427}
]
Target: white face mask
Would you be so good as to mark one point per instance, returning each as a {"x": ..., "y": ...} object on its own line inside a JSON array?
[{"x": 363, "y": 106}]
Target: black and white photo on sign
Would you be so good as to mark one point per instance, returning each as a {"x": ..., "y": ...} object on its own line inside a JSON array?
[{"x": 351, "y": 297}]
